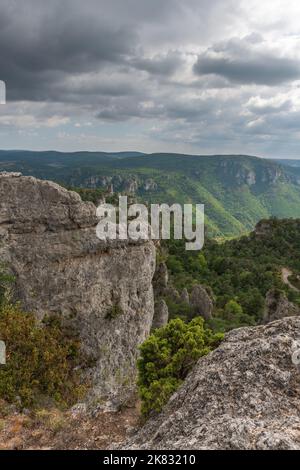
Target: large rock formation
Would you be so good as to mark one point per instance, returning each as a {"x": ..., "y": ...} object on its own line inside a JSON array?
[
  {"x": 102, "y": 290},
  {"x": 160, "y": 279},
  {"x": 184, "y": 296},
  {"x": 277, "y": 306},
  {"x": 243, "y": 395},
  {"x": 258, "y": 174},
  {"x": 201, "y": 302},
  {"x": 161, "y": 314},
  {"x": 128, "y": 184}
]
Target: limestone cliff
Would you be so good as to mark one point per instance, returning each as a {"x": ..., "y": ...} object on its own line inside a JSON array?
[
  {"x": 243, "y": 395},
  {"x": 102, "y": 290}
]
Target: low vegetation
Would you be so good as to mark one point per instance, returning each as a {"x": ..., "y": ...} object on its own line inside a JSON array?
[
  {"x": 114, "y": 312},
  {"x": 41, "y": 358},
  {"x": 167, "y": 356}
]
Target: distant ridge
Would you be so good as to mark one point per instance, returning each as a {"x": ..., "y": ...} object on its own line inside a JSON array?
[{"x": 237, "y": 190}]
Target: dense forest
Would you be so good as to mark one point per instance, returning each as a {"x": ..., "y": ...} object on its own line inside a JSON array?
[{"x": 238, "y": 272}]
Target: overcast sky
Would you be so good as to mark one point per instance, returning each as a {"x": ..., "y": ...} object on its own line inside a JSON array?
[{"x": 193, "y": 76}]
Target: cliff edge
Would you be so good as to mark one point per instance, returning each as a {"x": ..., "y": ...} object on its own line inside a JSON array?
[{"x": 101, "y": 290}]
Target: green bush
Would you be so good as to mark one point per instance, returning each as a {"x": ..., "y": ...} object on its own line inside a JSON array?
[
  {"x": 114, "y": 312},
  {"x": 166, "y": 358},
  {"x": 41, "y": 360}
]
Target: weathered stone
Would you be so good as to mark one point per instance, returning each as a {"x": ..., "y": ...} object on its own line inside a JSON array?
[
  {"x": 277, "y": 306},
  {"x": 102, "y": 290},
  {"x": 184, "y": 296},
  {"x": 161, "y": 314},
  {"x": 243, "y": 395},
  {"x": 243, "y": 175},
  {"x": 150, "y": 185},
  {"x": 160, "y": 279},
  {"x": 172, "y": 293},
  {"x": 130, "y": 185},
  {"x": 250, "y": 178},
  {"x": 201, "y": 302}
]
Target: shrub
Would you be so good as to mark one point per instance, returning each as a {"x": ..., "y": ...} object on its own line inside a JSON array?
[
  {"x": 166, "y": 358},
  {"x": 41, "y": 360},
  {"x": 233, "y": 310},
  {"x": 114, "y": 312}
]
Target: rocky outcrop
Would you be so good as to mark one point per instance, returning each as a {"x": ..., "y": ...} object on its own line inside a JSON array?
[
  {"x": 161, "y": 314},
  {"x": 251, "y": 174},
  {"x": 201, "y": 302},
  {"x": 129, "y": 184},
  {"x": 150, "y": 185},
  {"x": 243, "y": 395},
  {"x": 102, "y": 290},
  {"x": 277, "y": 306},
  {"x": 263, "y": 228},
  {"x": 172, "y": 293},
  {"x": 184, "y": 296},
  {"x": 160, "y": 279}
]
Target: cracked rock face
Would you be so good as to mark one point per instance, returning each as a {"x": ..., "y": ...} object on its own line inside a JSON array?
[
  {"x": 102, "y": 290},
  {"x": 243, "y": 395},
  {"x": 278, "y": 306}
]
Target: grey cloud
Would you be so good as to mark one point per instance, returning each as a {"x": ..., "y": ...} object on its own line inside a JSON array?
[
  {"x": 40, "y": 50},
  {"x": 263, "y": 70},
  {"x": 280, "y": 124},
  {"x": 241, "y": 61},
  {"x": 190, "y": 110},
  {"x": 163, "y": 108},
  {"x": 269, "y": 108},
  {"x": 46, "y": 44},
  {"x": 159, "y": 64},
  {"x": 125, "y": 109}
]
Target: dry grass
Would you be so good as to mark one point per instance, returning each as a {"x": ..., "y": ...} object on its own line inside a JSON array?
[{"x": 55, "y": 429}]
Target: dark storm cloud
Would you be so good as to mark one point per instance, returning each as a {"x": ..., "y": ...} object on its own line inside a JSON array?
[
  {"x": 42, "y": 43},
  {"x": 262, "y": 70},
  {"x": 41, "y": 46},
  {"x": 246, "y": 61}
]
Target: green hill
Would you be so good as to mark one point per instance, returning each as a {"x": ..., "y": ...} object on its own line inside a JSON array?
[{"x": 237, "y": 190}]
